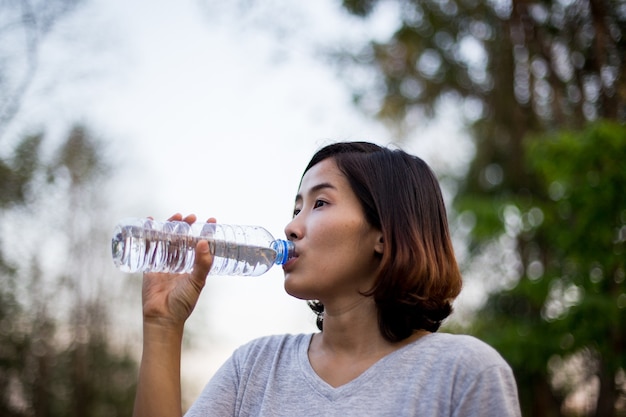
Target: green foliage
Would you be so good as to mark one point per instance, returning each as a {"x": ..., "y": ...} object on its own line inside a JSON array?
[
  {"x": 81, "y": 156},
  {"x": 359, "y": 7},
  {"x": 488, "y": 211},
  {"x": 584, "y": 231},
  {"x": 17, "y": 170},
  {"x": 40, "y": 377},
  {"x": 577, "y": 302},
  {"x": 529, "y": 64},
  {"x": 514, "y": 68},
  {"x": 57, "y": 355},
  {"x": 88, "y": 378},
  {"x": 584, "y": 179}
]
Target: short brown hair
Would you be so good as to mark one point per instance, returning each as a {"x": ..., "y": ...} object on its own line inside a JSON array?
[{"x": 400, "y": 195}]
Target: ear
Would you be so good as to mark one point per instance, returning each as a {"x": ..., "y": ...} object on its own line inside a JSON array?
[{"x": 378, "y": 247}]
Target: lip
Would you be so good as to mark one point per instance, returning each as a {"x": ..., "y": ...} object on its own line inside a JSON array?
[{"x": 287, "y": 266}]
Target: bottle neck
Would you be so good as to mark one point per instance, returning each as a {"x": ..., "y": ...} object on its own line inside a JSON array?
[{"x": 284, "y": 250}]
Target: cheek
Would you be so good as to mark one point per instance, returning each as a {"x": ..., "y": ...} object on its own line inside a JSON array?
[
  {"x": 341, "y": 242},
  {"x": 332, "y": 236}
]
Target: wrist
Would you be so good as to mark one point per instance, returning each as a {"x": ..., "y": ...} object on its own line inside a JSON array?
[{"x": 160, "y": 330}]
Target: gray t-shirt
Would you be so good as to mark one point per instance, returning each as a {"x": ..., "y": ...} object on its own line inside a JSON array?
[{"x": 438, "y": 375}]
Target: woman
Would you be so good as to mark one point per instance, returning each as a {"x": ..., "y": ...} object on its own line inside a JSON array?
[{"x": 373, "y": 253}]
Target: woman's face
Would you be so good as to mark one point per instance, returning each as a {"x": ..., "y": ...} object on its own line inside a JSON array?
[{"x": 336, "y": 247}]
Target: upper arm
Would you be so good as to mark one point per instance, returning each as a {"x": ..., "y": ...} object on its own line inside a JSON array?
[{"x": 493, "y": 393}]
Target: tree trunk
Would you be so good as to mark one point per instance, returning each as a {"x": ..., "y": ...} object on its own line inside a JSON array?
[
  {"x": 545, "y": 404},
  {"x": 608, "y": 394}
]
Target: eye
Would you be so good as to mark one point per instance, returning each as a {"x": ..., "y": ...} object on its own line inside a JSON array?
[
  {"x": 295, "y": 212},
  {"x": 319, "y": 203}
]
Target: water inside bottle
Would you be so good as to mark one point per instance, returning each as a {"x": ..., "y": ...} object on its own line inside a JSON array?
[
  {"x": 236, "y": 259},
  {"x": 136, "y": 249}
]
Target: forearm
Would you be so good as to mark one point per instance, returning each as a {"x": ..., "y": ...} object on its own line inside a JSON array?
[
  {"x": 158, "y": 388},
  {"x": 168, "y": 300}
]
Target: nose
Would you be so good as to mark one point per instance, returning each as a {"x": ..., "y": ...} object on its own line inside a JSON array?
[{"x": 293, "y": 229}]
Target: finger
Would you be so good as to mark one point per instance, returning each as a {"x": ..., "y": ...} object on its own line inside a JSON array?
[
  {"x": 175, "y": 217},
  {"x": 191, "y": 218},
  {"x": 203, "y": 263}
]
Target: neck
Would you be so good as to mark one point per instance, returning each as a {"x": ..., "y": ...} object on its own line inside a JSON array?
[{"x": 352, "y": 328}]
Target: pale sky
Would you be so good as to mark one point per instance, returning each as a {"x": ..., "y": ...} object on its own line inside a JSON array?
[{"x": 216, "y": 111}]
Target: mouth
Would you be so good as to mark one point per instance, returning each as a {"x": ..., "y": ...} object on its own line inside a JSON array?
[{"x": 287, "y": 266}]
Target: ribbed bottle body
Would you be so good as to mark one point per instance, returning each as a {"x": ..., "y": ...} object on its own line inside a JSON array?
[{"x": 144, "y": 245}]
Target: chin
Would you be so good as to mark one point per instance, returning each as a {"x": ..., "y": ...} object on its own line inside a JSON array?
[{"x": 295, "y": 291}]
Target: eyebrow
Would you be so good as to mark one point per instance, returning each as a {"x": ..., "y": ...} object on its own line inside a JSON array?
[{"x": 316, "y": 188}]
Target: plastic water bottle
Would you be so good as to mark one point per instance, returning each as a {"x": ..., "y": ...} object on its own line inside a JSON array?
[{"x": 145, "y": 245}]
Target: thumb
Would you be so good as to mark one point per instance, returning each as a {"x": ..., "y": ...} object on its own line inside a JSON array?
[{"x": 203, "y": 262}]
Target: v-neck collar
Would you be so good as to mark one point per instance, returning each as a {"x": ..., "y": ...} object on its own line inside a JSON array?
[{"x": 331, "y": 393}]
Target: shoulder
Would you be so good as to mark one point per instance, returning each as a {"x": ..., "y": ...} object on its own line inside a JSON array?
[
  {"x": 464, "y": 347},
  {"x": 271, "y": 346},
  {"x": 273, "y": 341},
  {"x": 462, "y": 357}
]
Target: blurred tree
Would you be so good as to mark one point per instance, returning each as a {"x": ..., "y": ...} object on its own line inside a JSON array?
[
  {"x": 23, "y": 26},
  {"x": 517, "y": 69},
  {"x": 515, "y": 66},
  {"x": 522, "y": 64},
  {"x": 57, "y": 354},
  {"x": 571, "y": 300}
]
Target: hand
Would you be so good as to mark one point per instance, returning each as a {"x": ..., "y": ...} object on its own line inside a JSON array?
[{"x": 169, "y": 299}]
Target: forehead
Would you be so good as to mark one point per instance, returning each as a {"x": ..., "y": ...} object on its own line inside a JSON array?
[{"x": 324, "y": 172}]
